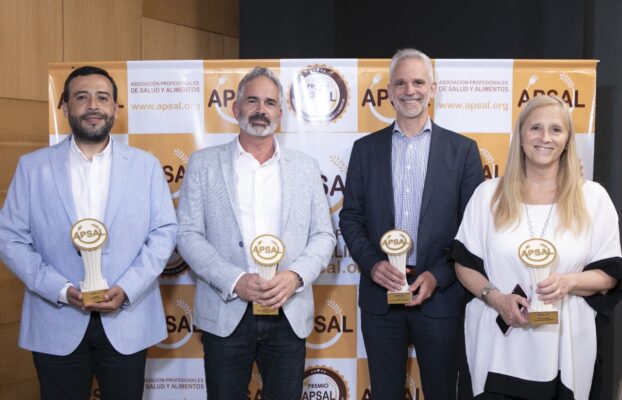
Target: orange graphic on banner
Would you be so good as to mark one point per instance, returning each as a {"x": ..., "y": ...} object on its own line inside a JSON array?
[
  {"x": 573, "y": 81},
  {"x": 334, "y": 323},
  {"x": 255, "y": 385},
  {"x": 58, "y": 73},
  {"x": 412, "y": 385},
  {"x": 375, "y": 108},
  {"x": 182, "y": 340},
  {"x": 221, "y": 79},
  {"x": 173, "y": 151},
  {"x": 493, "y": 151}
]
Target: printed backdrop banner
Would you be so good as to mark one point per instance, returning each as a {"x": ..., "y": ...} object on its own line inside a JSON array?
[{"x": 172, "y": 108}]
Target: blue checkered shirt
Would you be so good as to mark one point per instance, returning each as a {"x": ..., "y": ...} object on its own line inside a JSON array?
[{"x": 409, "y": 164}]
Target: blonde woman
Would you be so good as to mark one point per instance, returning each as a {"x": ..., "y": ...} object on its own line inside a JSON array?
[{"x": 541, "y": 196}]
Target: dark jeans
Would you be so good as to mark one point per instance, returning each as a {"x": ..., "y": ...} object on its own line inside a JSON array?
[
  {"x": 70, "y": 377},
  {"x": 386, "y": 340},
  {"x": 268, "y": 340}
]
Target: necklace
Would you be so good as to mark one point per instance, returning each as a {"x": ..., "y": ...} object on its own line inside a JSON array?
[
  {"x": 537, "y": 252},
  {"x": 546, "y": 223}
]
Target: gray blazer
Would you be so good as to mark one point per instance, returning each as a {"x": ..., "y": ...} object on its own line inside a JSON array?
[{"x": 210, "y": 236}]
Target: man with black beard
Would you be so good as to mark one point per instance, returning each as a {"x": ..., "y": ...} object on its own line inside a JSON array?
[
  {"x": 231, "y": 194},
  {"x": 89, "y": 176}
]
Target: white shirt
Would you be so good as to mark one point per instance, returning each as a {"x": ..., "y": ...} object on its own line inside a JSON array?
[
  {"x": 259, "y": 196},
  {"x": 90, "y": 181}
]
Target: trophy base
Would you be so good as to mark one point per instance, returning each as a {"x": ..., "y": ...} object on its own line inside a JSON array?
[
  {"x": 92, "y": 297},
  {"x": 543, "y": 317},
  {"x": 399, "y": 297},
  {"x": 258, "y": 309}
]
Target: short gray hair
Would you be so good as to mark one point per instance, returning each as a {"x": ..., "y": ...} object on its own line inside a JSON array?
[
  {"x": 406, "y": 54},
  {"x": 254, "y": 74}
]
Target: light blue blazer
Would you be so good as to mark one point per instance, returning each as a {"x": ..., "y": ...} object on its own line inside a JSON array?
[
  {"x": 210, "y": 235},
  {"x": 35, "y": 244}
]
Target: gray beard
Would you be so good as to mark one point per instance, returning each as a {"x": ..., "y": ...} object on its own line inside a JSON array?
[{"x": 247, "y": 127}]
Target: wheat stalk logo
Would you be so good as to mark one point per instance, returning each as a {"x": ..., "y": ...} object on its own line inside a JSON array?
[
  {"x": 338, "y": 162},
  {"x": 487, "y": 155},
  {"x": 569, "y": 83},
  {"x": 179, "y": 153},
  {"x": 334, "y": 306}
]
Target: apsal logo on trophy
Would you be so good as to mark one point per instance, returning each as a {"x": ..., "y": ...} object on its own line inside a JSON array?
[
  {"x": 395, "y": 242},
  {"x": 88, "y": 234},
  {"x": 267, "y": 250},
  {"x": 537, "y": 252}
]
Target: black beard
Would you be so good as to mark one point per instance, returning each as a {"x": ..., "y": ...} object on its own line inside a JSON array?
[{"x": 94, "y": 136}]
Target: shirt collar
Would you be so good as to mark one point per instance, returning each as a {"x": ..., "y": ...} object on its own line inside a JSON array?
[
  {"x": 241, "y": 153},
  {"x": 427, "y": 127},
  {"x": 104, "y": 154}
]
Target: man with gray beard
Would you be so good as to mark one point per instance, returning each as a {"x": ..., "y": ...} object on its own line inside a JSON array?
[{"x": 232, "y": 194}]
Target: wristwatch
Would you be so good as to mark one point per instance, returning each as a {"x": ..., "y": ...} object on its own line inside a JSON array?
[
  {"x": 301, "y": 282},
  {"x": 485, "y": 291}
]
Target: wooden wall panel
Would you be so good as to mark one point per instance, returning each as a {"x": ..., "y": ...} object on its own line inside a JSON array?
[
  {"x": 218, "y": 16},
  {"x": 30, "y": 37},
  {"x": 9, "y": 154},
  {"x": 24, "y": 121},
  {"x": 25, "y": 389},
  {"x": 101, "y": 30},
  {"x": 165, "y": 41},
  {"x": 20, "y": 368},
  {"x": 231, "y": 48}
]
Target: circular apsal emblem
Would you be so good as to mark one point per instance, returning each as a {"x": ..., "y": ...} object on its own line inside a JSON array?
[
  {"x": 175, "y": 266},
  {"x": 395, "y": 242},
  {"x": 267, "y": 250},
  {"x": 319, "y": 94},
  {"x": 537, "y": 252},
  {"x": 322, "y": 382},
  {"x": 89, "y": 234}
]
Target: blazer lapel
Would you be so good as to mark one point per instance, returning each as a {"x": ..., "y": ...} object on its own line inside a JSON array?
[
  {"x": 433, "y": 173},
  {"x": 59, "y": 160},
  {"x": 227, "y": 165},
  {"x": 118, "y": 181},
  {"x": 384, "y": 153}
]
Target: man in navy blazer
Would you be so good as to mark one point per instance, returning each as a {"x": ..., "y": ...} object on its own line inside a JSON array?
[
  {"x": 89, "y": 176},
  {"x": 417, "y": 177}
]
